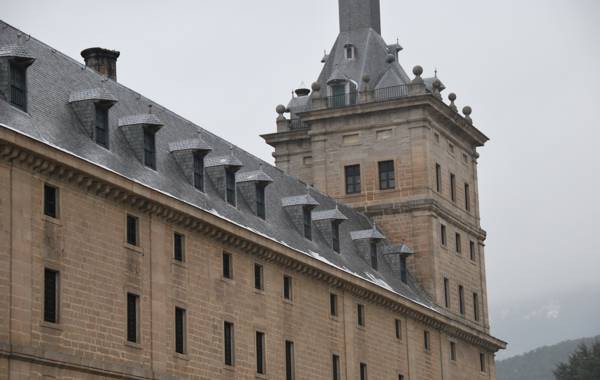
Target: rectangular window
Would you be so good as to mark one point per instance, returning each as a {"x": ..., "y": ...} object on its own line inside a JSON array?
[
  {"x": 386, "y": 175},
  {"x": 335, "y": 367},
  {"x": 149, "y": 148},
  {"x": 398, "y": 325},
  {"x": 227, "y": 265},
  {"x": 467, "y": 197},
  {"x": 180, "y": 327},
  {"x": 452, "y": 351},
  {"x": 363, "y": 371},
  {"x": 335, "y": 235},
  {"x": 360, "y": 314},
  {"x": 446, "y": 292},
  {"x": 260, "y": 200},
  {"x": 438, "y": 178},
  {"x": 400, "y": 377},
  {"x": 287, "y": 288},
  {"x": 374, "y": 262},
  {"x": 307, "y": 221},
  {"x": 50, "y": 201},
  {"x": 453, "y": 187},
  {"x": 458, "y": 243},
  {"x": 132, "y": 230},
  {"x": 50, "y": 295},
  {"x": 133, "y": 304},
  {"x": 403, "y": 269},
  {"x": 461, "y": 299},
  {"x": 260, "y": 353},
  {"x": 333, "y": 306},
  {"x": 199, "y": 170},
  {"x": 258, "y": 277},
  {"x": 178, "y": 247},
  {"x": 352, "y": 179},
  {"x": 426, "y": 343},
  {"x": 101, "y": 126},
  {"x": 18, "y": 86},
  {"x": 443, "y": 235},
  {"x": 482, "y": 365},
  {"x": 228, "y": 342},
  {"x": 472, "y": 250},
  {"x": 289, "y": 360},
  {"x": 476, "y": 306},
  {"x": 230, "y": 186}
]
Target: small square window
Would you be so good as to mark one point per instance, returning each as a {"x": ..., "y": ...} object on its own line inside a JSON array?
[
  {"x": 178, "y": 247},
  {"x": 352, "y": 173},
  {"x": 398, "y": 325},
  {"x": 443, "y": 235},
  {"x": 452, "y": 351},
  {"x": 360, "y": 314},
  {"x": 386, "y": 175},
  {"x": 287, "y": 288},
  {"x": 349, "y": 50},
  {"x": 458, "y": 243},
  {"x": 472, "y": 252},
  {"x": 132, "y": 230},
  {"x": 333, "y": 305},
  {"x": 50, "y": 201},
  {"x": 227, "y": 266},
  {"x": 451, "y": 148},
  {"x": 426, "y": 340},
  {"x": 258, "y": 277}
]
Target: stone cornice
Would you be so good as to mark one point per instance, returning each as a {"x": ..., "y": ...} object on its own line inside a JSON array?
[{"x": 41, "y": 158}]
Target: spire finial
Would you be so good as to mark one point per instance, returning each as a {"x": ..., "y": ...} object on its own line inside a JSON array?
[{"x": 435, "y": 72}]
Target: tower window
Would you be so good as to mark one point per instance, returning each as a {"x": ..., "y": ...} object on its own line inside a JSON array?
[
  {"x": 289, "y": 360},
  {"x": 50, "y": 201},
  {"x": 227, "y": 266},
  {"x": 398, "y": 325},
  {"x": 132, "y": 230},
  {"x": 287, "y": 288},
  {"x": 101, "y": 126},
  {"x": 386, "y": 175},
  {"x": 452, "y": 351},
  {"x": 453, "y": 187},
  {"x": 180, "y": 333},
  {"x": 149, "y": 148},
  {"x": 363, "y": 371},
  {"x": 260, "y": 200},
  {"x": 426, "y": 340},
  {"x": 18, "y": 86},
  {"x": 50, "y": 295},
  {"x": 476, "y": 306},
  {"x": 333, "y": 306},
  {"x": 352, "y": 179},
  {"x": 335, "y": 367},
  {"x": 482, "y": 365},
  {"x": 258, "y": 277},
  {"x": 228, "y": 342},
  {"x": 472, "y": 251},
  {"x": 446, "y": 292},
  {"x": 349, "y": 50},
  {"x": 307, "y": 222},
  {"x": 438, "y": 178},
  {"x": 458, "y": 243},
  {"x": 461, "y": 299},
  {"x": 360, "y": 314},
  {"x": 443, "y": 236},
  {"x": 133, "y": 334},
  {"x": 178, "y": 247},
  {"x": 374, "y": 262},
  {"x": 403, "y": 269},
  {"x": 335, "y": 235},
  {"x": 260, "y": 353},
  {"x": 230, "y": 186},
  {"x": 199, "y": 170},
  {"x": 467, "y": 198}
]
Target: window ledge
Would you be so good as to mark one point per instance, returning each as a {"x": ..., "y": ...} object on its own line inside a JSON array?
[
  {"x": 334, "y": 318},
  {"x": 51, "y": 325},
  {"x": 286, "y": 301},
  {"x": 134, "y": 248},
  {"x": 133, "y": 345},
  {"x": 226, "y": 280},
  {"x": 179, "y": 356},
  {"x": 259, "y": 291},
  {"x": 261, "y": 376},
  {"x": 229, "y": 368},
  {"x": 179, "y": 264},
  {"x": 361, "y": 328},
  {"x": 52, "y": 220}
]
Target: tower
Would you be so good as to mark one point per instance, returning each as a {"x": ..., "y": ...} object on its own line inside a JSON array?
[{"x": 387, "y": 144}]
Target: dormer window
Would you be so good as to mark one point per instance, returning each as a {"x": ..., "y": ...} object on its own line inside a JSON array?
[
  {"x": 260, "y": 200},
  {"x": 307, "y": 221},
  {"x": 199, "y": 170},
  {"x": 18, "y": 86},
  {"x": 335, "y": 235},
  {"x": 149, "y": 148},
  {"x": 101, "y": 125},
  {"x": 230, "y": 186},
  {"x": 350, "y": 52},
  {"x": 328, "y": 222},
  {"x": 373, "y": 250}
]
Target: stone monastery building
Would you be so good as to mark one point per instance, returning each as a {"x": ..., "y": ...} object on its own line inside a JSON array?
[{"x": 135, "y": 244}]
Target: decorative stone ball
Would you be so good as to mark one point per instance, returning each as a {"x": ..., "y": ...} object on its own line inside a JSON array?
[
  {"x": 280, "y": 109},
  {"x": 452, "y": 96},
  {"x": 417, "y": 70},
  {"x": 366, "y": 78},
  {"x": 437, "y": 84},
  {"x": 316, "y": 86},
  {"x": 467, "y": 110},
  {"x": 390, "y": 58}
]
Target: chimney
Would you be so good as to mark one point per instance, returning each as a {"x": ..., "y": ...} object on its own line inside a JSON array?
[
  {"x": 359, "y": 14},
  {"x": 103, "y": 61}
]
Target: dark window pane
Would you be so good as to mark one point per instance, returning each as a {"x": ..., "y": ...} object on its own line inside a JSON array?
[
  {"x": 178, "y": 246},
  {"x": 467, "y": 197},
  {"x": 482, "y": 361},
  {"x": 258, "y": 277},
  {"x": 426, "y": 340},
  {"x": 443, "y": 235},
  {"x": 132, "y": 317},
  {"x": 452, "y": 351},
  {"x": 403, "y": 269},
  {"x": 458, "y": 243},
  {"x": 476, "y": 306},
  {"x": 446, "y": 292},
  {"x": 386, "y": 175},
  {"x": 50, "y": 201},
  {"x": 149, "y": 148},
  {"x": 398, "y": 325},
  {"x": 132, "y": 230},
  {"x": 335, "y": 367},
  {"x": 363, "y": 371},
  {"x": 453, "y": 187},
  {"x": 101, "y": 130},
  {"x": 180, "y": 330},
  {"x": 50, "y": 296},
  {"x": 260, "y": 352},
  {"x": 335, "y": 235},
  {"x": 227, "y": 267},
  {"x": 228, "y": 336},
  {"x": 374, "y": 262},
  {"x": 260, "y": 200},
  {"x": 287, "y": 287},
  {"x": 333, "y": 304},
  {"x": 461, "y": 299},
  {"x": 199, "y": 170},
  {"x": 307, "y": 219},
  {"x": 472, "y": 250},
  {"x": 18, "y": 86},
  {"x": 360, "y": 309},
  {"x": 352, "y": 179},
  {"x": 438, "y": 178},
  {"x": 289, "y": 360},
  {"x": 230, "y": 186}
]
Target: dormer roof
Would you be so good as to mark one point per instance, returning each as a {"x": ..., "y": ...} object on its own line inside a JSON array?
[
  {"x": 401, "y": 249},
  {"x": 145, "y": 119},
  {"x": 253, "y": 176},
  {"x": 299, "y": 200},
  {"x": 195, "y": 144},
  {"x": 224, "y": 160},
  {"x": 16, "y": 51},
  {"x": 333, "y": 214},
  {"x": 94, "y": 94},
  {"x": 370, "y": 234}
]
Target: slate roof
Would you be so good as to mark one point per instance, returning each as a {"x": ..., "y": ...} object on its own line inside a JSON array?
[
  {"x": 223, "y": 160},
  {"x": 371, "y": 233},
  {"x": 50, "y": 119},
  {"x": 333, "y": 214},
  {"x": 189, "y": 144},
  {"x": 299, "y": 200},
  {"x": 140, "y": 119},
  {"x": 97, "y": 93},
  {"x": 253, "y": 176}
]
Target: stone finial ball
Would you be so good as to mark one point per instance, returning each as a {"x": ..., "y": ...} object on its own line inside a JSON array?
[
  {"x": 467, "y": 110},
  {"x": 417, "y": 70},
  {"x": 366, "y": 78},
  {"x": 452, "y": 96},
  {"x": 280, "y": 109},
  {"x": 390, "y": 58},
  {"x": 316, "y": 86}
]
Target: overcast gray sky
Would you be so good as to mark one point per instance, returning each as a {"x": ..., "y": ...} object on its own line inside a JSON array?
[{"x": 530, "y": 70}]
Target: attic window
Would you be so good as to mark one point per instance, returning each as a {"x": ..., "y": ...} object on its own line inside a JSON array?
[
  {"x": 149, "y": 148},
  {"x": 199, "y": 170},
  {"x": 230, "y": 186},
  {"x": 260, "y": 200},
  {"x": 374, "y": 262},
  {"x": 349, "y": 51},
  {"x": 307, "y": 219},
  {"x": 335, "y": 235},
  {"x": 101, "y": 125},
  {"x": 18, "y": 86}
]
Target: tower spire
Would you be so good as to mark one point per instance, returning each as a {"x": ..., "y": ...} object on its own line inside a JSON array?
[{"x": 359, "y": 14}]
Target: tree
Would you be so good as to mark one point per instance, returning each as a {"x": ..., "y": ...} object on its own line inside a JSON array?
[{"x": 583, "y": 364}]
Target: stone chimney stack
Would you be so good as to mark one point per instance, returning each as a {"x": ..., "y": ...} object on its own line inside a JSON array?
[
  {"x": 359, "y": 14},
  {"x": 103, "y": 61}
]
